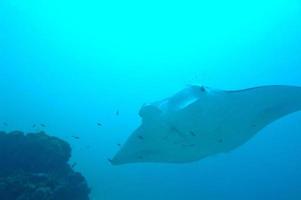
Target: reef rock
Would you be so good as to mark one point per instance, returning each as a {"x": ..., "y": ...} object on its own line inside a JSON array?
[{"x": 34, "y": 166}]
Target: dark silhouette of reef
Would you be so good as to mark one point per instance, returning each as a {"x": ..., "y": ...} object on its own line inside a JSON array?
[{"x": 34, "y": 166}]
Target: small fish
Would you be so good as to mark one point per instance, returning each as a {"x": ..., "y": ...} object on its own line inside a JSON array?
[
  {"x": 192, "y": 133},
  {"x": 110, "y": 160},
  {"x": 176, "y": 130},
  {"x": 220, "y": 140},
  {"x": 75, "y": 137},
  {"x": 99, "y": 124},
  {"x": 34, "y": 125},
  {"x": 5, "y": 124},
  {"x": 119, "y": 144},
  {"x": 140, "y": 137},
  {"x": 43, "y": 125},
  {"x": 188, "y": 145},
  {"x": 42, "y": 175},
  {"x": 73, "y": 165},
  {"x": 117, "y": 113}
]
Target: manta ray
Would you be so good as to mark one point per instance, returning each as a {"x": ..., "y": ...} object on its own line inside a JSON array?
[{"x": 199, "y": 121}]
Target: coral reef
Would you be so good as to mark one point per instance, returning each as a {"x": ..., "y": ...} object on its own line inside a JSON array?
[{"x": 34, "y": 166}]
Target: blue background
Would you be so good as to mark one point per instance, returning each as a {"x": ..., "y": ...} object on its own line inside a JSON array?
[{"x": 71, "y": 64}]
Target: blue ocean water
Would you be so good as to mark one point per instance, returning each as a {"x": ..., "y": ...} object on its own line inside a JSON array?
[{"x": 73, "y": 64}]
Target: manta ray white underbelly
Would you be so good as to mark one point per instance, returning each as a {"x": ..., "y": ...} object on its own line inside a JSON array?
[{"x": 198, "y": 122}]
